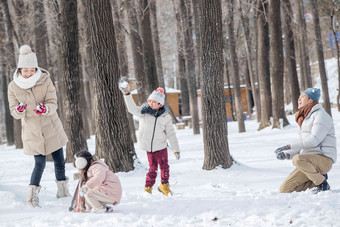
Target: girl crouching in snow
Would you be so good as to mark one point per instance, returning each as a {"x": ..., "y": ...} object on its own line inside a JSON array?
[{"x": 98, "y": 185}]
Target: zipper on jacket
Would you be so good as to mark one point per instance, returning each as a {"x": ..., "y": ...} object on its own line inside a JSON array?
[{"x": 153, "y": 133}]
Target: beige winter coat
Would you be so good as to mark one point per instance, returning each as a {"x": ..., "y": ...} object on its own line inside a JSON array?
[
  {"x": 153, "y": 133},
  {"x": 41, "y": 134}
]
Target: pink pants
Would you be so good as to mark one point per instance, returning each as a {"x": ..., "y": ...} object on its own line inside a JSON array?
[{"x": 157, "y": 158}]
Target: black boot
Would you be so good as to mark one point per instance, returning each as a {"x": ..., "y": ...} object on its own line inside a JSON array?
[{"x": 324, "y": 186}]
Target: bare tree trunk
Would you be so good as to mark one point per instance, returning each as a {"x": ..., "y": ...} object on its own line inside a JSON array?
[
  {"x": 307, "y": 79},
  {"x": 158, "y": 57},
  {"x": 215, "y": 137},
  {"x": 12, "y": 126},
  {"x": 117, "y": 12},
  {"x": 88, "y": 70},
  {"x": 113, "y": 141},
  {"x": 148, "y": 50},
  {"x": 290, "y": 54},
  {"x": 249, "y": 93},
  {"x": 184, "y": 103},
  {"x": 197, "y": 16},
  {"x": 155, "y": 40},
  {"x": 40, "y": 32},
  {"x": 234, "y": 67},
  {"x": 321, "y": 59},
  {"x": 263, "y": 64},
  {"x": 71, "y": 78},
  {"x": 256, "y": 96},
  {"x": 137, "y": 53},
  {"x": 276, "y": 69},
  {"x": 185, "y": 14},
  {"x": 337, "y": 54}
]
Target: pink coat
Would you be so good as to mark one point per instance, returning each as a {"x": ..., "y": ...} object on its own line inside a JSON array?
[{"x": 101, "y": 177}]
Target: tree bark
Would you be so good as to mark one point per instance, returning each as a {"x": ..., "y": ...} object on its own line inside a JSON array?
[
  {"x": 234, "y": 67},
  {"x": 71, "y": 79},
  {"x": 263, "y": 63},
  {"x": 184, "y": 102},
  {"x": 290, "y": 54},
  {"x": 137, "y": 53},
  {"x": 117, "y": 12},
  {"x": 321, "y": 59},
  {"x": 306, "y": 80},
  {"x": 185, "y": 15},
  {"x": 255, "y": 92},
  {"x": 276, "y": 65},
  {"x": 215, "y": 136},
  {"x": 148, "y": 50},
  {"x": 12, "y": 126},
  {"x": 40, "y": 32},
  {"x": 113, "y": 141}
]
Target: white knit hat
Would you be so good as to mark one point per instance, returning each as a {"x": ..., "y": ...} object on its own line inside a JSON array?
[
  {"x": 158, "y": 95},
  {"x": 27, "y": 59}
]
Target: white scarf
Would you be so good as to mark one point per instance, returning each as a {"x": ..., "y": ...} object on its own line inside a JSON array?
[{"x": 26, "y": 83}]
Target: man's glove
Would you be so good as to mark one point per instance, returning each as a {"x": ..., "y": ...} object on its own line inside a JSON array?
[
  {"x": 280, "y": 149},
  {"x": 124, "y": 87},
  {"x": 21, "y": 107},
  {"x": 280, "y": 154},
  {"x": 178, "y": 155},
  {"x": 41, "y": 109}
]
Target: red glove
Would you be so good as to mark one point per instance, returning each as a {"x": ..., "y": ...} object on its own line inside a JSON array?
[
  {"x": 21, "y": 107},
  {"x": 41, "y": 109}
]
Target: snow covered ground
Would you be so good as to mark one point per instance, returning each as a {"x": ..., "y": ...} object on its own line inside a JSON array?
[{"x": 247, "y": 194}]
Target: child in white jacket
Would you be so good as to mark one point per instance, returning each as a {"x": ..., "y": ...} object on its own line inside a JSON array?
[{"x": 155, "y": 127}]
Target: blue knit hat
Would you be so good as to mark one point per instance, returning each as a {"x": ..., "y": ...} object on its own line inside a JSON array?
[{"x": 313, "y": 93}]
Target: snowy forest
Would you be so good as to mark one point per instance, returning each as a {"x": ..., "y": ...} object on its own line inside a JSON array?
[{"x": 232, "y": 71}]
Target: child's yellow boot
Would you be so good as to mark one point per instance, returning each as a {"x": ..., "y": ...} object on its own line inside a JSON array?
[
  {"x": 165, "y": 189},
  {"x": 148, "y": 190}
]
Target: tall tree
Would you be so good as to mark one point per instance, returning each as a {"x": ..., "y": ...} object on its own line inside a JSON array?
[
  {"x": 148, "y": 49},
  {"x": 290, "y": 54},
  {"x": 71, "y": 78},
  {"x": 40, "y": 32},
  {"x": 137, "y": 52},
  {"x": 113, "y": 141},
  {"x": 197, "y": 34},
  {"x": 263, "y": 63},
  {"x": 13, "y": 127},
  {"x": 337, "y": 51},
  {"x": 276, "y": 64},
  {"x": 184, "y": 103},
  {"x": 118, "y": 15},
  {"x": 88, "y": 71},
  {"x": 156, "y": 44},
  {"x": 306, "y": 79},
  {"x": 234, "y": 66},
  {"x": 215, "y": 137},
  {"x": 321, "y": 59},
  {"x": 255, "y": 92},
  {"x": 186, "y": 18}
]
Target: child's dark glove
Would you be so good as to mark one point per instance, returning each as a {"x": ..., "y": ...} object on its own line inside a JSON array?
[
  {"x": 280, "y": 149},
  {"x": 21, "y": 107},
  {"x": 41, "y": 109},
  {"x": 280, "y": 154}
]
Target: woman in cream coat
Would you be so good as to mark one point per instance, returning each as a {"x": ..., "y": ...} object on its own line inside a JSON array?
[{"x": 32, "y": 98}]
